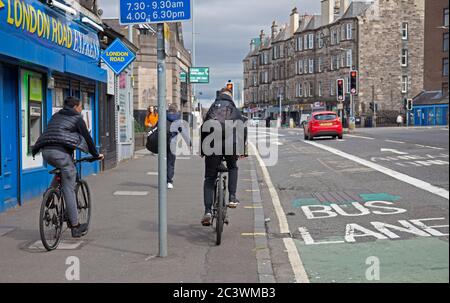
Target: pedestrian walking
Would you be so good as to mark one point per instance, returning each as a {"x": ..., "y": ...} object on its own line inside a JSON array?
[
  {"x": 151, "y": 119},
  {"x": 175, "y": 126},
  {"x": 399, "y": 120},
  {"x": 268, "y": 121}
]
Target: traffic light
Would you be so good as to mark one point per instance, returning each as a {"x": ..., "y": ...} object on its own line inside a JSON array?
[
  {"x": 354, "y": 82},
  {"x": 372, "y": 106},
  {"x": 230, "y": 87},
  {"x": 410, "y": 104},
  {"x": 340, "y": 90}
]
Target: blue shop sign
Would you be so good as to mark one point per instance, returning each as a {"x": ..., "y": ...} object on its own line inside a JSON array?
[
  {"x": 32, "y": 20},
  {"x": 117, "y": 56}
]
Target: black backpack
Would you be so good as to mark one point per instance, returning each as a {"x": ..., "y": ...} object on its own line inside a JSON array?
[
  {"x": 221, "y": 111},
  {"x": 152, "y": 138}
]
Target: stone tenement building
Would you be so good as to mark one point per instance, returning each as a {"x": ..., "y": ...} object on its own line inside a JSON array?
[
  {"x": 145, "y": 72},
  {"x": 301, "y": 61}
]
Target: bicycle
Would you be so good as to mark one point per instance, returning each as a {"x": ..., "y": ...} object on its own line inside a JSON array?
[
  {"x": 219, "y": 209},
  {"x": 53, "y": 212}
]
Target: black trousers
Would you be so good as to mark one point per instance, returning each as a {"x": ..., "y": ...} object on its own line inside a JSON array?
[
  {"x": 212, "y": 164},
  {"x": 171, "y": 158}
]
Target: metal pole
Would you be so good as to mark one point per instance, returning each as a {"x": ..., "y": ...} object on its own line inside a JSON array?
[
  {"x": 131, "y": 93},
  {"x": 281, "y": 115},
  {"x": 162, "y": 142},
  {"x": 193, "y": 48}
]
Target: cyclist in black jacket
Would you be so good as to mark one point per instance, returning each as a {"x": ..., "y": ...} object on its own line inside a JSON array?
[
  {"x": 66, "y": 132},
  {"x": 223, "y": 109}
]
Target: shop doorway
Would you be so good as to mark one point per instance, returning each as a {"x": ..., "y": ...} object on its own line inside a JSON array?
[
  {"x": 107, "y": 128},
  {"x": 9, "y": 134}
]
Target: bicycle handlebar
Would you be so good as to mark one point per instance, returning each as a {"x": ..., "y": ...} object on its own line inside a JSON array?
[{"x": 87, "y": 159}]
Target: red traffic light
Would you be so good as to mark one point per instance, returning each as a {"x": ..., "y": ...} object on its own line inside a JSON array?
[
  {"x": 353, "y": 82},
  {"x": 340, "y": 82}
]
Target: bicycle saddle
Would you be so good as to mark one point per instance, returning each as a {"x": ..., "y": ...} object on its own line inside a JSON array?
[{"x": 56, "y": 171}]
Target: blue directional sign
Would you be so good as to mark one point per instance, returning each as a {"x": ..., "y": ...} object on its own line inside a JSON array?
[
  {"x": 154, "y": 11},
  {"x": 117, "y": 56}
]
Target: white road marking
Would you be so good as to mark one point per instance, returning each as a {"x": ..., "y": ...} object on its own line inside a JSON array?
[
  {"x": 432, "y": 147},
  {"x": 294, "y": 258},
  {"x": 393, "y": 151},
  {"x": 354, "y": 136},
  {"x": 293, "y": 254},
  {"x": 5, "y": 230},
  {"x": 261, "y": 131},
  {"x": 284, "y": 227},
  {"x": 151, "y": 173},
  {"x": 393, "y": 141},
  {"x": 392, "y": 173},
  {"x": 63, "y": 245},
  {"x": 130, "y": 193}
]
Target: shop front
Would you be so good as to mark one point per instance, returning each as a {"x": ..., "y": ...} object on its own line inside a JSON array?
[{"x": 45, "y": 56}]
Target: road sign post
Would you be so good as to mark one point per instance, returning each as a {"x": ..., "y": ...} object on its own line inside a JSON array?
[
  {"x": 157, "y": 11},
  {"x": 162, "y": 141}
]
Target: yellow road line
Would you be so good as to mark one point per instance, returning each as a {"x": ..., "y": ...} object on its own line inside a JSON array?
[{"x": 253, "y": 234}]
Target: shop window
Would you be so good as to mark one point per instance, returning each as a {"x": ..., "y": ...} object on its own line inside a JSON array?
[
  {"x": 86, "y": 101},
  {"x": 57, "y": 100},
  {"x": 34, "y": 109},
  {"x": 75, "y": 89}
]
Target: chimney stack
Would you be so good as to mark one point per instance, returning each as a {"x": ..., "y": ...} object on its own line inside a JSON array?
[
  {"x": 274, "y": 29},
  {"x": 327, "y": 12},
  {"x": 262, "y": 36},
  {"x": 343, "y": 7},
  {"x": 295, "y": 17}
]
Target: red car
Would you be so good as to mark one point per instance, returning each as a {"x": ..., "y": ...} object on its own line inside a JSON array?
[{"x": 322, "y": 124}]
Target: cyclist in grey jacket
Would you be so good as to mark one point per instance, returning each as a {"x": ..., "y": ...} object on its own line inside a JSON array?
[{"x": 66, "y": 132}]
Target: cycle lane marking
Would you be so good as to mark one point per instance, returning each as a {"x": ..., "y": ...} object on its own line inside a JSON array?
[
  {"x": 360, "y": 137},
  {"x": 392, "y": 173},
  {"x": 293, "y": 254}
]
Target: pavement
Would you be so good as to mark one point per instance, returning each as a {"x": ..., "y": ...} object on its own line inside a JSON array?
[{"x": 122, "y": 244}]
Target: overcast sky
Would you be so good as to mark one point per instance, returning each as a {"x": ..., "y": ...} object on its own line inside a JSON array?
[{"x": 225, "y": 28}]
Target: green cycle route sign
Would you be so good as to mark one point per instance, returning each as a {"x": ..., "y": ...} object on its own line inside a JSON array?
[{"x": 199, "y": 75}]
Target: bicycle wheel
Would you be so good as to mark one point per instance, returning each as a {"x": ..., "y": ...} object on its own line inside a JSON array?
[
  {"x": 51, "y": 219},
  {"x": 83, "y": 195},
  {"x": 220, "y": 210}
]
